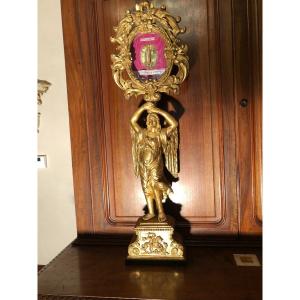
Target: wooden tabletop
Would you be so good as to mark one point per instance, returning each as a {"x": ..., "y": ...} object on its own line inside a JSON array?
[{"x": 100, "y": 272}]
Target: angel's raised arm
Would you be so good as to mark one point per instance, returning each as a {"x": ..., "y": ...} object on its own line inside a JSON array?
[
  {"x": 137, "y": 114},
  {"x": 170, "y": 119}
]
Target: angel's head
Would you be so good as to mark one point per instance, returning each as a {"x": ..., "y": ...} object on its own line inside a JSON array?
[{"x": 152, "y": 122}]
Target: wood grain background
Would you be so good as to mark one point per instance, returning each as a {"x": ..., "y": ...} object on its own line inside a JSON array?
[{"x": 218, "y": 191}]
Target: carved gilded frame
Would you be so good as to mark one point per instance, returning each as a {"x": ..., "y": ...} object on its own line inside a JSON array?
[{"x": 148, "y": 19}]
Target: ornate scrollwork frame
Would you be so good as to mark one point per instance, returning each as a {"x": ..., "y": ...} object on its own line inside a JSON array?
[{"x": 148, "y": 19}]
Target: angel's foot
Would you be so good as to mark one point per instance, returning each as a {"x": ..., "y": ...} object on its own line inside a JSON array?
[
  {"x": 162, "y": 217},
  {"x": 148, "y": 216}
]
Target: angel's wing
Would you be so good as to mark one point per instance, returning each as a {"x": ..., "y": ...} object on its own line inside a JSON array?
[
  {"x": 170, "y": 149},
  {"x": 134, "y": 138}
]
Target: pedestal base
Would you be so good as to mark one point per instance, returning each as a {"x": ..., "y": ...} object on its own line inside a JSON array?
[{"x": 155, "y": 241}]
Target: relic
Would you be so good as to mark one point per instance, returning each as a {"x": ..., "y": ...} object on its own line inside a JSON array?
[{"x": 152, "y": 60}]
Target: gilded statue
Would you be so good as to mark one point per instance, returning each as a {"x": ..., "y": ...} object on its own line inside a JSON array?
[
  {"x": 150, "y": 60},
  {"x": 153, "y": 148}
]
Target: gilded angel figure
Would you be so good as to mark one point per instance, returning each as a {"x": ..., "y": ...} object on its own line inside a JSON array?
[{"x": 149, "y": 145}]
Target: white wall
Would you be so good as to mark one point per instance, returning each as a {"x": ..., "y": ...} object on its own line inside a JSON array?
[{"x": 56, "y": 208}]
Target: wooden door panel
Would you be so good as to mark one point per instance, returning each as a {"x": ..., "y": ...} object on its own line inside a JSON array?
[
  {"x": 201, "y": 195},
  {"x": 109, "y": 198},
  {"x": 247, "y": 70}
]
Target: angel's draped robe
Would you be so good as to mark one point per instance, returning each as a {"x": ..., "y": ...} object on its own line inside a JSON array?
[{"x": 150, "y": 164}]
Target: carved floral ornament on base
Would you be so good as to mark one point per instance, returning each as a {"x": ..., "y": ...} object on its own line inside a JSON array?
[
  {"x": 152, "y": 60},
  {"x": 148, "y": 49}
]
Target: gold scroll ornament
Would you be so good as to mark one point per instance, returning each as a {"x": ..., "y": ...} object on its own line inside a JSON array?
[
  {"x": 43, "y": 87},
  {"x": 153, "y": 147}
]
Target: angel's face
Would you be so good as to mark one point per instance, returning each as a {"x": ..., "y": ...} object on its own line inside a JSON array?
[{"x": 153, "y": 122}]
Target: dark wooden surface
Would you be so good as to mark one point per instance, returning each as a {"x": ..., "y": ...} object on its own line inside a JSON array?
[
  {"x": 218, "y": 192},
  {"x": 100, "y": 271}
]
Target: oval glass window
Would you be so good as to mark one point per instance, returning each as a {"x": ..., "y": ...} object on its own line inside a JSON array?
[{"x": 148, "y": 56}]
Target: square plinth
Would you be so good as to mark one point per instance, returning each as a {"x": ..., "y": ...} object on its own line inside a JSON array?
[{"x": 155, "y": 240}]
